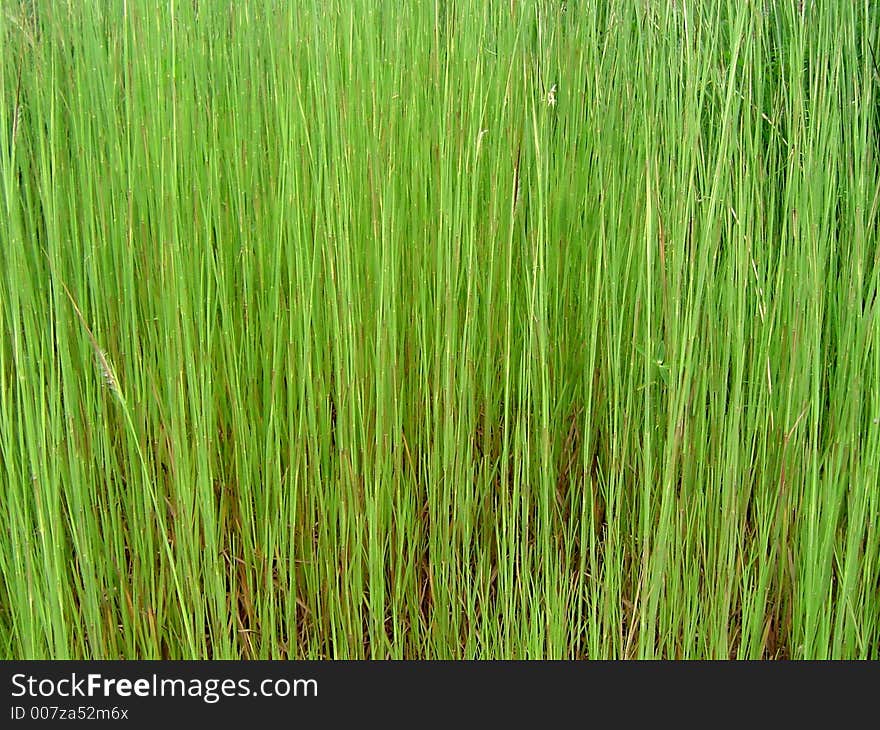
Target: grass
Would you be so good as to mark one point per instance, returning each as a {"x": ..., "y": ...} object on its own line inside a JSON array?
[{"x": 439, "y": 329}]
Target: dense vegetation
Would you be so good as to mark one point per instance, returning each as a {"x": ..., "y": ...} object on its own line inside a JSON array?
[{"x": 363, "y": 328}]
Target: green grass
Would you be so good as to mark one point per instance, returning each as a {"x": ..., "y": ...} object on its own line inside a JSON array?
[{"x": 438, "y": 329}]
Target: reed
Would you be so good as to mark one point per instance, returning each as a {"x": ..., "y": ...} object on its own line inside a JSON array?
[{"x": 439, "y": 329}]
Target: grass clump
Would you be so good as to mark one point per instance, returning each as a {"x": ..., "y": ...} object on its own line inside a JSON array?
[{"x": 439, "y": 329}]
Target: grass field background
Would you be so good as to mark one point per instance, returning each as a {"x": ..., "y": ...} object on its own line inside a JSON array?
[{"x": 439, "y": 329}]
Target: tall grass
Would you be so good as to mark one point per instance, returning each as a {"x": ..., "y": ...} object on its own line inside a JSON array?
[{"x": 439, "y": 329}]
